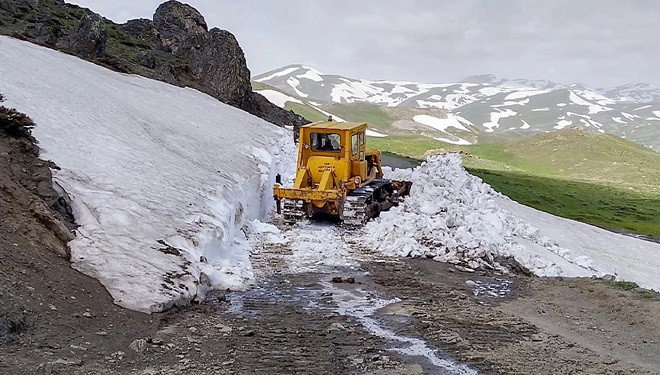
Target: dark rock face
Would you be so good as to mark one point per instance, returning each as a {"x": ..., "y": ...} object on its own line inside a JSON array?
[
  {"x": 176, "y": 47},
  {"x": 88, "y": 38}
]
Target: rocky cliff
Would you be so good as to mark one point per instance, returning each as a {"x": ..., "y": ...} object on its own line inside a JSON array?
[{"x": 176, "y": 47}]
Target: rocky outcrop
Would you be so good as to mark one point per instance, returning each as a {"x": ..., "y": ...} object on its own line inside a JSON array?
[
  {"x": 175, "y": 47},
  {"x": 88, "y": 38}
]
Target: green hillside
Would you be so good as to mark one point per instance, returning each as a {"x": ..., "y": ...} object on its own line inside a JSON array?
[{"x": 599, "y": 179}]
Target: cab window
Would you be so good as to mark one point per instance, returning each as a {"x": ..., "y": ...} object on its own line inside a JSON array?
[
  {"x": 354, "y": 144},
  {"x": 327, "y": 142},
  {"x": 362, "y": 139}
]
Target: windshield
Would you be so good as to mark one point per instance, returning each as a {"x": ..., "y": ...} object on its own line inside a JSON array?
[{"x": 326, "y": 142}]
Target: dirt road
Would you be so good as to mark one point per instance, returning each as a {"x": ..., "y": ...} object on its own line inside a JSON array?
[{"x": 353, "y": 313}]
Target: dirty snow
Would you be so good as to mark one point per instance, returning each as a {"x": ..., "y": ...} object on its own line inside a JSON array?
[
  {"x": 162, "y": 178},
  {"x": 454, "y": 217},
  {"x": 278, "y": 98}
]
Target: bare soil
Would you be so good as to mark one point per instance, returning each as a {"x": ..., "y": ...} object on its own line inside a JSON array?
[{"x": 54, "y": 320}]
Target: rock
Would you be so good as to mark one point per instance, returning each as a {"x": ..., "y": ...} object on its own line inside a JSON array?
[
  {"x": 87, "y": 314},
  {"x": 155, "y": 341},
  {"x": 221, "y": 328},
  {"x": 180, "y": 26},
  {"x": 89, "y": 37},
  {"x": 68, "y": 362},
  {"x": 138, "y": 345},
  {"x": 52, "y": 307},
  {"x": 470, "y": 283},
  {"x": 608, "y": 277}
]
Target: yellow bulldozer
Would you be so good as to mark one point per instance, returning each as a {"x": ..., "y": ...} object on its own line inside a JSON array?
[{"x": 337, "y": 176}]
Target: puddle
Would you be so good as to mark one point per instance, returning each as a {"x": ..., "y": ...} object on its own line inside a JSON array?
[{"x": 363, "y": 307}]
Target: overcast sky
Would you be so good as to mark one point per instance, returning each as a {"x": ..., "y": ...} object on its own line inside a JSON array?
[{"x": 599, "y": 43}]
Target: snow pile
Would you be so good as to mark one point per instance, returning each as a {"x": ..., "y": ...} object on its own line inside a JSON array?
[
  {"x": 162, "y": 178},
  {"x": 454, "y": 217}
]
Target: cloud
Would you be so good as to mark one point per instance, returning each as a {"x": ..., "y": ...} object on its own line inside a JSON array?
[{"x": 600, "y": 43}]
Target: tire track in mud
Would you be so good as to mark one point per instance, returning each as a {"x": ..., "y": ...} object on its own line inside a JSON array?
[{"x": 294, "y": 271}]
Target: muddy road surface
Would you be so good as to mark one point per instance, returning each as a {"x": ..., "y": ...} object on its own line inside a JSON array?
[{"x": 322, "y": 304}]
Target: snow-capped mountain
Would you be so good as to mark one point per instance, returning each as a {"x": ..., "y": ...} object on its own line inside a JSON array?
[{"x": 481, "y": 105}]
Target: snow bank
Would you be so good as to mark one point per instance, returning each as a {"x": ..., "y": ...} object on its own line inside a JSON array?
[
  {"x": 162, "y": 178},
  {"x": 454, "y": 217}
]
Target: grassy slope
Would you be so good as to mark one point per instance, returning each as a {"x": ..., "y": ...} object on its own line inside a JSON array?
[{"x": 598, "y": 179}]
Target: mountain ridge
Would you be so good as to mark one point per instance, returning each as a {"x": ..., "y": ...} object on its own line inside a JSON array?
[{"x": 498, "y": 108}]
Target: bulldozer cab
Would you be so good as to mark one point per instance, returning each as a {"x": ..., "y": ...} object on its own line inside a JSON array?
[{"x": 338, "y": 147}]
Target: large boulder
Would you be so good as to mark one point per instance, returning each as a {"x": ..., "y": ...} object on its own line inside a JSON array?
[
  {"x": 180, "y": 25},
  {"x": 89, "y": 37}
]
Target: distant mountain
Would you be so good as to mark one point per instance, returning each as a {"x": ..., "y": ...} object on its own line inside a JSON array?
[{"x": 477, "y": 109}]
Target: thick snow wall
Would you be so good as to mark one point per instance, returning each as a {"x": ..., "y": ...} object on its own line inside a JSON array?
[{"x": 162, "y": 178}]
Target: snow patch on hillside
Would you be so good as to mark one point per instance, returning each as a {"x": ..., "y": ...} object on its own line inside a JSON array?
[
  {"x": 277, "y": 74},
  {"x": 525, "y": 94},
  {"x": 162, "y": 178},
  {"x": 441, "y": 124},
  {"x": 278, "y": 98},
  {"x": 375, "y": 134},
  {"x": 593, "y": 108},
  {"x": 495, "y": 118}
]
